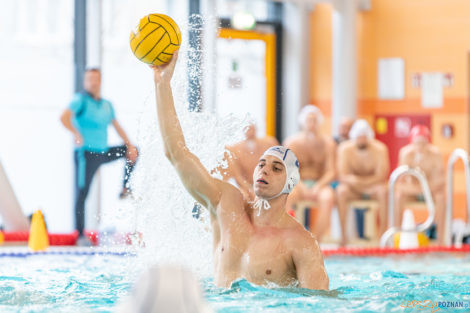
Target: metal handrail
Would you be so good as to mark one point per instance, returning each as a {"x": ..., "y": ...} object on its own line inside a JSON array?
[
  {"x": 416, "y": 172},
  {"x": 463, "y": 155}
]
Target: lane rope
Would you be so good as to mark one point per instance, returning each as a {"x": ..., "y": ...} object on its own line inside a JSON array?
[{"x": 388, "y": 251}]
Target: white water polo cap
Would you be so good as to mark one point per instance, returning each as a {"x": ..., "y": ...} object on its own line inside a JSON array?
[
  {"x": 289, "y": 159},
  {"x": 361, "y": 128},
  {"x": 310, "y": 109},
  {"x": 165, "y": 289}
]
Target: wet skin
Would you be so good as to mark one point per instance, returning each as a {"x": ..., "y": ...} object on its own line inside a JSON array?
[{"x": 269, "y": 247}]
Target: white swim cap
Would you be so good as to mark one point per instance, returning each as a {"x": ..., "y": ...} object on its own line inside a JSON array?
[
  {"x": 291, "y": 164},
  {"x": 288, "y": 158},
  {"x": 361, "y": 128},
  {"x": 165, "y": 289},
  {"x": 306, "y": 110}
]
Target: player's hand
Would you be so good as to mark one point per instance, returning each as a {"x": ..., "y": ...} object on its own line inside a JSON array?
[
  {"x": 350, "y": 180},
  {"x": 164, "y": 73},
  {"x": 78, "y": 139},
  {"x": 132, "y": 153}
]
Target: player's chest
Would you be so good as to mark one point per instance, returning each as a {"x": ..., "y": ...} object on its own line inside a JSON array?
[
  {"x": 422, "y": 161},
  {"x": 314, "y": 152},
  {"x": 363, "y": 163},
  {"x": 266, "y": 258}
]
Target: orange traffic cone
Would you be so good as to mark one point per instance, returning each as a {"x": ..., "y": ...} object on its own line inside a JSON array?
[{"x": 38, "y": 239}]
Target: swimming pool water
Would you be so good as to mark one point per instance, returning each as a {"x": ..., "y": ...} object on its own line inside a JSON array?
[
  {"x": 62, "y": 283},
  {"x": 54, "y": 283},
  {"x": 372, "y": 284}
]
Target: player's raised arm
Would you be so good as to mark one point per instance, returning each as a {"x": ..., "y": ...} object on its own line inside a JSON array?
[{"x": 196, "y": 179}]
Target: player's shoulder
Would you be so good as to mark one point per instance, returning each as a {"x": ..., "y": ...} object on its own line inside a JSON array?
[
  {"x": 291, "y": 140},
  {"x": 435, "y": 150},
  {"x": 380, "y": 145},
  {"x": 304, "y": 244},
  {"x": 228, "y": 190},
  {"x": 346, "y": 145},
  {"x": 271, "y": 141},
  {"x": 329, "y": 140},
  {"x": 230, "y": 200},
  {"x": 267, "y": 142},
  {"x": 406, "y": 150},
  {"x": 236, "y": 148},
  {"x": 299, "y": 236}
]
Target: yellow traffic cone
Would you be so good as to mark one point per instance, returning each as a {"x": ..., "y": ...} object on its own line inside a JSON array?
[
  {"x": 38, "y": 239},
  {"x": 408, "y": 239}
]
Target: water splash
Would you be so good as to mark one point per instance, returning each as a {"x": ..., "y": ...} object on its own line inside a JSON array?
[{"x": 163, "y": 207}]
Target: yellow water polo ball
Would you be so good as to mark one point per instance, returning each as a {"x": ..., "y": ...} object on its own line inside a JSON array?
[{"x": 155, "y": 39}]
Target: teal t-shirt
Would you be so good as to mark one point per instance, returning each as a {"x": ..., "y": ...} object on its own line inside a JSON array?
[{"x": 92, "y": 118}]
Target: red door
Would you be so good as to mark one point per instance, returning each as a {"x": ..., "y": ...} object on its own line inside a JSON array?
[{"x": 393, "y": 130}]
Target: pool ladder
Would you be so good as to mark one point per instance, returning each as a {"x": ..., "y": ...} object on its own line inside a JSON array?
[
  {"x": 416, "y": 172},
  {"x": 463, "y": 155},
  {"x": 403, "y": 170}
]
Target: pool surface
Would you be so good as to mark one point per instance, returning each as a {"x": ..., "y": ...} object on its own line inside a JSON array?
[
  {"x": 62, "y": 283},
  {"x": 371, "y": 284},
  {"x": 94, "y": 283}
]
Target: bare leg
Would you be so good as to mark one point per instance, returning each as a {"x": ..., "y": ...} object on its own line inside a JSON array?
[
  {"x": 401, "y": 198},
  {"x": 380, "y": 193},
  {"x": 345, "y": 194},
  {"x": 399, "y": 205},
  {"x": 326, "y": 202}
]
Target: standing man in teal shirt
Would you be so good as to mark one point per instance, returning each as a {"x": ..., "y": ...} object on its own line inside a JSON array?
[{"x": 87, "y": 118}]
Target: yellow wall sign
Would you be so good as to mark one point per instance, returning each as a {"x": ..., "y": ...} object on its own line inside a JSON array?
[{"x": 381, "y": 126}]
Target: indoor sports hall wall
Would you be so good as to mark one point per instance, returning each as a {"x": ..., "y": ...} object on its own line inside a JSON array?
[
  {"x": 430, "y": 36},
  {"x": 320, "y": 43},
  {"x": 36, "y": 84}
]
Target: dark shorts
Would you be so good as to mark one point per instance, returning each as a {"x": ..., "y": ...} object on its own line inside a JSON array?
[{"x": 420, "y": 198}]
